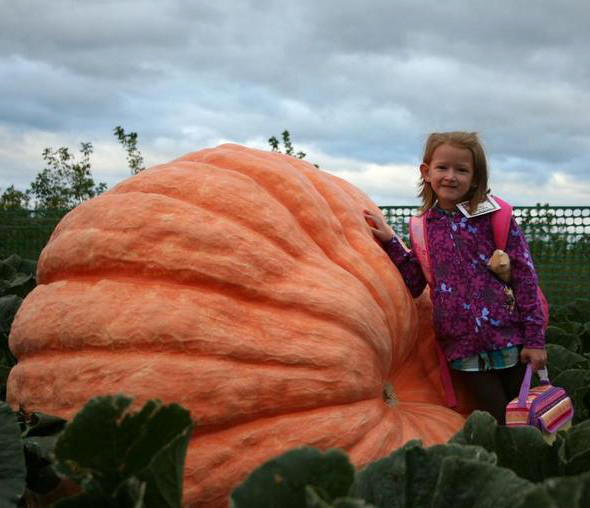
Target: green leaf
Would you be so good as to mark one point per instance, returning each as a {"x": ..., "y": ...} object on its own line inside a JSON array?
[
  {"x": 7, "y": 271},
  {"x": 572, "y": 379},
  {"x": 383, "y": 483},
  {"x": 9, "y": 305},
  {"x": 284, "y": 480},
  {"x": 40, "y": 433},
  {"x": 571, "y": 327},
  {"x": 12, "y": 458},
  {"x": 574, "y": 450},
  {"x": 106, "y": 445},
  {"x": 41, "y": 474},
  {"x": 14, "y": 260},
  {"x": 521, "y": 449},
  {"x": 21, "y": 285},
  {"x": 314, "y": 500},
  {"x": 566, "y": 492},
  {"x": 576, "y": 383},
  {"x": 129, "y": 494},
  {"x": 570, "y": 341},
  {"x": 560, "y": 359},
  {"x": 471, "y": 484},
  {"x": 585, "y": 337},
  {"x": 579, "y": 310},
  {"x": 573, "y": 492},
  {"x": 479, "y": 429},
  {"x": 423, "y": 468},
  {"x": 350, "y": 502},
  {"x": 41, "y": 424}
]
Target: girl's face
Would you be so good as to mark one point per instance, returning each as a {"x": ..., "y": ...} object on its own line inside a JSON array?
[{"x": 450, "y": 174}]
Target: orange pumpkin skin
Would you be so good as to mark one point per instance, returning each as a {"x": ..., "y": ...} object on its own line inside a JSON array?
[{"x": 246, "y": 286}]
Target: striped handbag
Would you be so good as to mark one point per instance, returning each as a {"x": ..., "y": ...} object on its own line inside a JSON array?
[{"x": 545, "y": 406}]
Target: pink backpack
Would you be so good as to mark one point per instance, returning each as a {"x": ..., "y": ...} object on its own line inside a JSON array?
[{"x": 500, "y": 228}]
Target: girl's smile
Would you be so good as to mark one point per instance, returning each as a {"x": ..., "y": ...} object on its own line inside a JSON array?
[{"x": 450, "y": 174}]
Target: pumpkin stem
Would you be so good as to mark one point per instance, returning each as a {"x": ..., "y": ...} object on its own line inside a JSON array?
[{"x": 389, "y": 396}]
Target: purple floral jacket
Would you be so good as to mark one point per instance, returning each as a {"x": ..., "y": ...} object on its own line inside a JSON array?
[{"x": 473, "y": 311}]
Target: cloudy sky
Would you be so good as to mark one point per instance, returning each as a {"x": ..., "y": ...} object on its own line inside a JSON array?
[{"x": 359, "y": 84}]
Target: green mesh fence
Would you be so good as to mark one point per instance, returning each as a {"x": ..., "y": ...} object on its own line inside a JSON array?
[
  {"x": 25, "y": 232},
  {"x": 559, "y": 238}
]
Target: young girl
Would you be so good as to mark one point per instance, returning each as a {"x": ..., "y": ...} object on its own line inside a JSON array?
[{"x": 483, "y": 327}]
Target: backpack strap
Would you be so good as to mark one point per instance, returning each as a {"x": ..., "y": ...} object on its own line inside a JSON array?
[
  {"x": 501, "y": 223},
  {"x": 419, "y": 245},
  {"x": 500, "y": 229}
]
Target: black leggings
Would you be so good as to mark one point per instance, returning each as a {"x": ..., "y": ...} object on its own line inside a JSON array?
[{"x": 494, "y": 389}]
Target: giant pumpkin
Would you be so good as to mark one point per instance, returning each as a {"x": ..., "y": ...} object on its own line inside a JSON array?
[{"x": 246, "y": 286}]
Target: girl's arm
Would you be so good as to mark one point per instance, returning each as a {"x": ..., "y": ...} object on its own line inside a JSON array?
[
  {"x": 525, "y": 286},
  {"x": 406, "y": 262}
]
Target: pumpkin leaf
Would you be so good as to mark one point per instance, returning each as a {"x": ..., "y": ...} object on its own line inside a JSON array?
[
  {"x": 556, "y": 335},
  {"x": 479, "y": 429},
  {"x": 471, "y": 484},
  {"x": 41, "y": 475},
  {"x": 40, "y": 433},
  {"x": 576, "y": 383},
  {"x": 571, "y": 327},
  {"x": 572, "y": 491},
  {"x": 41, "y": 424},
  {"x": 292, "y": 478},
  {"x": 106, "y": 444},
  {"x": 129, "y": 494},
  {"x": 7, "y": 270},
  {"x": 383, "y": 483},
  {"x": 8, "y": 306},
  {"x": 12, "y": 458},
  {"x": 313, "y": 500},
  {"x": 423, "y": 469},
  {"x": 521, "y": 449},
  {"x": 560, "y": 359},
  {"x": 574, "y": 450}
]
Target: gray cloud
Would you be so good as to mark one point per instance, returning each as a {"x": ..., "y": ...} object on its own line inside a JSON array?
[{"x": 363, "y": 81}]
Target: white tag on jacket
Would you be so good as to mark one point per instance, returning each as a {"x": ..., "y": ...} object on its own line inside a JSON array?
[{"x": 487, "y": 206}]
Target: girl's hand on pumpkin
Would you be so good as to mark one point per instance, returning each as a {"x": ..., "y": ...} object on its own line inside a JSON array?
[
  {"x": 537, "y": 357},
  {"x": 380, "y": 229}
]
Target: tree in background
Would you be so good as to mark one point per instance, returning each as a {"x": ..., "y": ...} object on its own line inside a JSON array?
[
  {"x": 288, "y": 146},
  {"x": 129, "y": 142},
  {"x": 66, "y": 181},
  {"x": 13, "y": 199}
]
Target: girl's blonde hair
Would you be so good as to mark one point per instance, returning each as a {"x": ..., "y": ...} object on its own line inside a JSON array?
[{"x": 470, "y": 141}]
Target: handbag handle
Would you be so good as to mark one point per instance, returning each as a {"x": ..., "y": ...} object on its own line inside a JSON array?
[{"x": 526, "y": 383}]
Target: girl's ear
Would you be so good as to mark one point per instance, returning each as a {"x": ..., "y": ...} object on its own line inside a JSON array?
[{"x": 425, "y": 172}]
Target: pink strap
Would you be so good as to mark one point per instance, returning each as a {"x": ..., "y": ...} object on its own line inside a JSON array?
[
  {"x": 501, "y": 223},
  {"x": 500, "y": 229},
  {"x": 418, "y": 237},
  {"x": 445, "y": 376}
]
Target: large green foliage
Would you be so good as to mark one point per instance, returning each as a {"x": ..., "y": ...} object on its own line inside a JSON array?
[
  {"x": 108, "y": 455},
  {"x": 119, "y": 456},
  {"x": 12, "y": 458},
  {"x": 17, "y": 279},
  {"x": 484, "y": 465}
]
